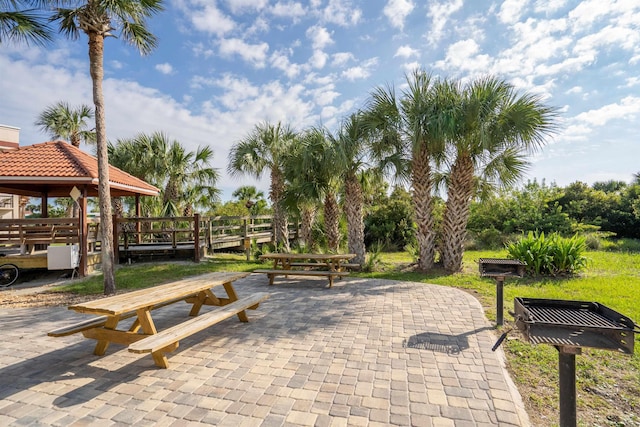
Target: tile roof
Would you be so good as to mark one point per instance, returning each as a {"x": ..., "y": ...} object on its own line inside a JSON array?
[{"x": 59, "y": 161}]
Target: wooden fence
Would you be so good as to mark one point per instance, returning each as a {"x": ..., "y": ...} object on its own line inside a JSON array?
[{"x": 26, "y": 240}]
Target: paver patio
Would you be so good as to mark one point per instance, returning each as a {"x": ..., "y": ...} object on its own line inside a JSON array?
[{"x": 366, "y": 352}]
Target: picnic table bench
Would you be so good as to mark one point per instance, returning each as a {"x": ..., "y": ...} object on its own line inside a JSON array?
[
  {"x": 142, "y": 336},
  {"x": 289, "y": 264}
]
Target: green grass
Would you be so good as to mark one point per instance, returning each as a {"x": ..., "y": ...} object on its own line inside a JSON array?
[
  {"x": 608, "y": 383},
  {"x": 144, "y": 275}
]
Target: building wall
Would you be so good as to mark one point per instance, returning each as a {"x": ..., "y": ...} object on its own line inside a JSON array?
[{"x": 9, "y": 140}]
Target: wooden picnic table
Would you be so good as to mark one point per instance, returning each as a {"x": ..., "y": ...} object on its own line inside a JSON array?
[
  {"x": 142, "y": 336},
  {"x": 306, "y": 264}
]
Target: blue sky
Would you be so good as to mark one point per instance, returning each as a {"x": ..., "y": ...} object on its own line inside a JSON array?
[{"x": 223, "y": 66}]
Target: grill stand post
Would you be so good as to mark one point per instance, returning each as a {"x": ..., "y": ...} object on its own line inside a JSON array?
[
  {"x": 567, "y": 388},
  {"x": 500, "y": 300}
]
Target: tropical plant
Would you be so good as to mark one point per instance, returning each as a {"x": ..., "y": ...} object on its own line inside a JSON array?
[
  {"x": 320, "y": 158},
  {"x": 186, "y": 177},
  {"x": 62, "y": 121},
  {"x": 390, "y": 223},
  {"x": 22, "y": 22},
  {"x": 98, "y": 19},
  {"x": 252, "y": 198},
  {"x": 351, "y": 144},
  {"x": 409, "y": 135},
  {"x": 265, "y": 148},
  {"x": 551, "y": 255},
  {"x": 495, "y": 129}
]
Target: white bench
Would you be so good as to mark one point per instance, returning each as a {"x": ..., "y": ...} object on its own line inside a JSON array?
[
  {"x": 282, "y": 272},
  {"x": 168, "y": 340}
]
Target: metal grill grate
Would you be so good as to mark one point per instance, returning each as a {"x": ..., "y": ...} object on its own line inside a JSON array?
[{"x": 570, "y": 317}]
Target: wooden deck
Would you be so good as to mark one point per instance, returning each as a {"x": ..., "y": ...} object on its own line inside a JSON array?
[{"x": 24, "y": 242}]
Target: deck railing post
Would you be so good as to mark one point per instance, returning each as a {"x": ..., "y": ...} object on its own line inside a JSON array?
[
  {"x": 116, "y": 242},
  {"x": 196, "y": 237},
  {"x": 246, "y": 240}
]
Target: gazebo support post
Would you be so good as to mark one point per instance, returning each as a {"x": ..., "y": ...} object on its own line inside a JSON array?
[
  {"x": 84, "y": 234},
  {"x": 44, "y": 207},
  {"x": 138, "y": 213}
]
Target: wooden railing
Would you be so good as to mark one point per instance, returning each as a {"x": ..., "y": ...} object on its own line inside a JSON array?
[
  {"x": 199, "y": 232},
  {"x": 27, "y": 233}
]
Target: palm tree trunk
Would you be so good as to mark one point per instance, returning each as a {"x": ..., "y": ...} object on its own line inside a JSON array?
[
  {"x": 96, "y": 60},
  {"x": 332, "y": 221},
  {"x": 308, "y": 214},
  {"x": 280, "y": 224},
  {"x": 423, "y": 207},
  {"x": 456, "y": 213},
  {"x": 354, "y": 201}
]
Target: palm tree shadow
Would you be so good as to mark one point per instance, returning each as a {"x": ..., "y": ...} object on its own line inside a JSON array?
[{"x": 442, "y": 343}]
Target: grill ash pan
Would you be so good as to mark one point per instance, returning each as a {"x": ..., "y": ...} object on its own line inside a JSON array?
[
  {"x": 498, "y": 267},
  {"x": 573, "y": 324}
]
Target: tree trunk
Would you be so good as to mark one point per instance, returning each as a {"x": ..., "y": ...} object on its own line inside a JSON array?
[
  {"x": 423, "y": 206},
  {"x": 308, "y": 214},
  {"x": 354, "y": 201},
  {"x": 96, "y": 58},
  {"x": 332, "y": 221},
  {"x": 280, "y": 225},
  {"x": 456, "y": 213}
]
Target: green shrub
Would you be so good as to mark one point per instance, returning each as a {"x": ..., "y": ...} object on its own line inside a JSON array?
[
  {"x": 552, "y": 256},
  {"x": 373, "y": 258}
]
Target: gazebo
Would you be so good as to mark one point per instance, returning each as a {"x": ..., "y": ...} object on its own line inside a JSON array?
[{"x": 54, "y": 169}]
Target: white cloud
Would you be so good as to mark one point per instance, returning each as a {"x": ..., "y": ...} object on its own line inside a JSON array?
[
  {"x": 280, "y": 61},
  {"x": 116, "y": 65},
  {"x": 549, "y": 6},
  {"x": 397, "y": 11},
  {"x": 411, "y": 66},
  {"x": 341, "y": 58},
  {"x": 341, "y": 12},
  {"x": 319, "y": 37},
  {"x": 406, "y": 51},
  {"x": 626, "y": 109},
  {"x": 325, "y": 95},
  {"x": 239, "y": 6},
  {"x": 464, "y": 56},
  {"x": 210, "y": 19},
  {"x": 575, "y": 89},
  {"x": 440, "y": 14},
  {"x": 318, "y": 59},
  {"x": 236, "y": 90},
  {"x": 288, "y": 10},
  {"x": 361, "y": 71},
  {"x": 255, "y": 54},
  {"x": 632, "y": 81},
  {"x": 589, "y": 11},
  {"x": 511, "y": 10},
  {"x": 165, "y": 68}
]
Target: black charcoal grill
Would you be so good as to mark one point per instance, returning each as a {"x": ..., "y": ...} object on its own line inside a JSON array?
[
  {"x": 500, "y": 269},
  {"x": 569, "y": 326}
]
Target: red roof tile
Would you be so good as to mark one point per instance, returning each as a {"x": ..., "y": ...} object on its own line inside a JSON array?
[{"x": 63, "y": 164}]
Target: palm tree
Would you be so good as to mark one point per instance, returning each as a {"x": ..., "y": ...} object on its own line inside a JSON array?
[
  {"x": 265, "y": 148},
  {"x": 320, "y": 159},
  {"x": 99, "y": 19},
  {"x": 251, "y": 198},
  {"x": 302, "y": 194},
  {"x": 410, "y": 138},
  {"x": 62, "y": 121},
  {"x": 352, "y": 147},
  {"x": 21, "y": 22},
  {"x": 496, "y": 129},
  {"x": 186, "y": 177}
]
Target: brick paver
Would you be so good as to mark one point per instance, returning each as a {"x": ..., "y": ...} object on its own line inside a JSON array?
[{"x": 365, "y": 352}]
